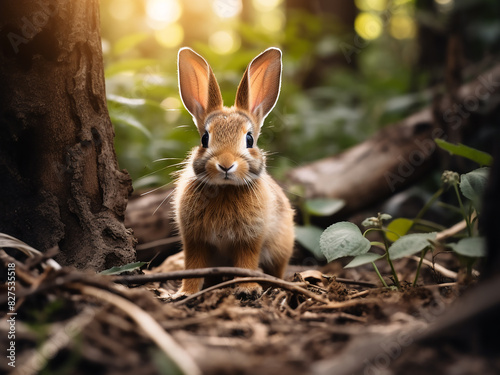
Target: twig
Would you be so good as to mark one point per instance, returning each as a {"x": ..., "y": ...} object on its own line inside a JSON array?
[
  {"x": 359, "y": 294},
  {"x": 14, "y": 243},
  {"x": 457, "y": 228},
  {"x": 309, "y": 316},
  {"x": 57, "y": 281},
  {"x": 275, "y": 281},
  {"x": 355, "y": 282},
  {"x": 162, "y": 242},
  {"x": 443, "y": 271},
  {"x": 206, "y": 272},
  {"x": 443, "y": 285},
  {"x": 349, "y": 303},
  {"x": 191, "y": 274},
  {"x": 150, "y": 326},
  {"x": 22, "y": 272}
]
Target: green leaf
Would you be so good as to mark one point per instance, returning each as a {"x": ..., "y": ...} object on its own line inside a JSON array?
[
  {"x": 473, "y": 247},
  {"x": 363, "y": 259},
  {"x": 121, "y": 269},
  {"x": 480, "y": 157},
  {"x": 398, "y": 228},
  {"x": 132, "y": 65},
  {"x": 343, "y": 239},
  {"x": 324, "y": 207},
  {"x": 128, "y": 42},
  {"x": 308, "y": 236},
  {"x": 410, "y": 244},
  {"x": 473, "y": 184}
]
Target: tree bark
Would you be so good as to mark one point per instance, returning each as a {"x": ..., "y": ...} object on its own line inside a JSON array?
[{"x": 59, "y": 178}]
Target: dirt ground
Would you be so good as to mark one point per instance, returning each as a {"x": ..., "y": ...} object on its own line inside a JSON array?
[{"x": 72, "y": 322}]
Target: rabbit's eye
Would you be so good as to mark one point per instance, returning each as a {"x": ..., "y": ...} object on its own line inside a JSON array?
[
  {"x": 204, "y": 140},
  {"x": 249, "y": 140}
]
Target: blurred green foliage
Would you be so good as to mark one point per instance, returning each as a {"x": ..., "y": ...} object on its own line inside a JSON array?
[{"x": 326, "y": 104}]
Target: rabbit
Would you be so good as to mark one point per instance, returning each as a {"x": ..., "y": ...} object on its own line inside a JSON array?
[{"x": 228, "y": 209}]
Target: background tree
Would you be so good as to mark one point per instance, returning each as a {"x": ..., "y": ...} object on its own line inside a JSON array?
[{"x": 59, "y": 178}]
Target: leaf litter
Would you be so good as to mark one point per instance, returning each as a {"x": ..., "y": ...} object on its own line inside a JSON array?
[{"x": 79, "y": 322}]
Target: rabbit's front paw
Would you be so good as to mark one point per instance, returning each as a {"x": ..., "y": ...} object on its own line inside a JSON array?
[
  {"x": 248, "y": 291},
  {"x": 180, "y": 295}
]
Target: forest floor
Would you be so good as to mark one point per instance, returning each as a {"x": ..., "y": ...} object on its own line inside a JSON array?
[{"x": 74, "y": 322}]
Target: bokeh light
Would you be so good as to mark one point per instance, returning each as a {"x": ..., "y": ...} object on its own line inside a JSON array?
[
  {"x": 399, "y": 3},
  {"x": 273, "y": 21},
  {"x": 266, "y": 5},
  {"x": 172, "y": 106},
  {"x": 224, "y": 42},
  {"x": 121, "y": 9},
  {"x": 366, "y": 5},
  {"x": 368, "y": 25},
  {"x": 197, "y": 6},
  {"x": 170, "y": 36},
  {"x": 402, "y": 27},
  {"x": 163, "y": 11},
  {"x": 227, "y": 8}
]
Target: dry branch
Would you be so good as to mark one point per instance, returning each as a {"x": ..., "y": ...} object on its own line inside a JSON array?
[
  {"x": 215, "y": 271},
  {"x": 292, "y": 287},
  {"x": 191, "y": 274}
]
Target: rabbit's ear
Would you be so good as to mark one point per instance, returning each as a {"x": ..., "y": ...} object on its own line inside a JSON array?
[
  {"x": 260, "y": 86},
  {"x": 198, "y": 87}
]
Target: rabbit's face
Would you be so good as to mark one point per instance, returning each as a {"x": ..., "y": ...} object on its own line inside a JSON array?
[{"x": 228, "y": 154}]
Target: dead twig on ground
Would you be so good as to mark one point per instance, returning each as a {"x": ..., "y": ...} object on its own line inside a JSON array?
[
  {"x": 451, "y": 231},
  {"x": 206, "y": 272},
  {"x": 190, "y": 274},
  {"x": 292, "y": 287}
]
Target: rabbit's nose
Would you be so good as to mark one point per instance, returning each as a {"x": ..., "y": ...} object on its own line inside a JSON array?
[
  {"x": 226, "y": 163},
  {"x": 225, "y": 169}
]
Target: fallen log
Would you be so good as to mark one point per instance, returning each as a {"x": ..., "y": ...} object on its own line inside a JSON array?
[
  {"x": 398, "y": 155},
  {"x": 394, "y": 158}
]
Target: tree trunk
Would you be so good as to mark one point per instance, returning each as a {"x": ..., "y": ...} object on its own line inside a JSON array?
[{"x": 59, "y": 178}]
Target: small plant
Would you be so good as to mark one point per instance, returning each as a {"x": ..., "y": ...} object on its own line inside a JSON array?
[
  {"x": 308, "y": 235},
  {"x": 345, "y": 239}
]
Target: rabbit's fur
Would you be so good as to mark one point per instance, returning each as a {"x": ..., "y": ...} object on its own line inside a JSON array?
[{"x": 228, "y": 209}]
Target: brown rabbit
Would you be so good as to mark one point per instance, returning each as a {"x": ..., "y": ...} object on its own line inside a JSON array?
[{"x": 228, "y": 209}]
